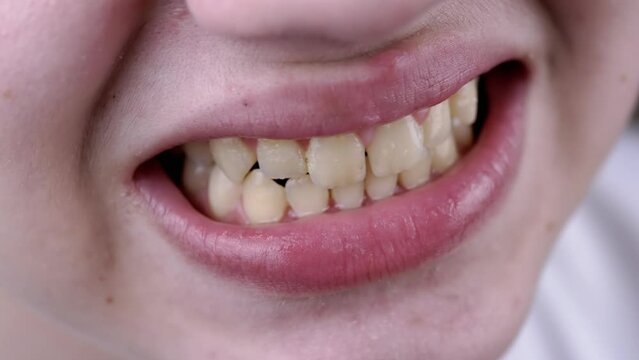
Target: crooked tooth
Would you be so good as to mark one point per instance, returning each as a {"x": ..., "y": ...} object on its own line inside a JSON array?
[
  {"x": 336, "y": 161},
  {"x": 463, "y": 105},
  {"x": 198, "y": 152},
  {"x": 233, "y": 156},
  {"x": 444, "y": 155},
  {"x": 395, "y": 147},
  {"x": 379, "y": 188},
  {"x": 348, "y": 197},
  {"x": 463, "y": 135},
  {"x": 224, "y": 194},
  {"x": 305, "y": 197},
  {"x": 437, "y": 126},
  {"x": 195, "y": 177},
  {"x": 418, "y": 175},
  {"x": 280, "y": 159},
  {"x": 264, "y": 201}
]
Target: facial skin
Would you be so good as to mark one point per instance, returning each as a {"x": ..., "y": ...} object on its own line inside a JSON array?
[{"x": 85, "y": 86}]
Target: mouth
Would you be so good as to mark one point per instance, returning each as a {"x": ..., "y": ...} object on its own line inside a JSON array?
[{"x": 325, "y": 206}]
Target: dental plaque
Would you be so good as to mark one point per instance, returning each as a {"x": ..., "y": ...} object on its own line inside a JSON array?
[{"x": 249, "y": 181}]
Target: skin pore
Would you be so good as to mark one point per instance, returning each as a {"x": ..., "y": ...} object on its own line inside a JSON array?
[{"x": 87, "y": 87}]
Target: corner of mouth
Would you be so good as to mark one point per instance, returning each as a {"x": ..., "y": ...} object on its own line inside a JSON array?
[{"x": 339, "y": 249}]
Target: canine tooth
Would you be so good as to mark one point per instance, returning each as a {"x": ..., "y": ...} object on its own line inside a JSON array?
[
  {"x": 417, "y": 175},
  {"x": 463, "y": 105},
  {"x": 463, "y": 135},
  {"x": 349, "y": 197},
  {"x": 379, "y": 188},
  {"x": 444, "y": 155},
  {"x": 395, "y": 147},
  {"x": 305, "y": 197},
  {"x": 336, "y": 161},
  {"x": 224, "y": 194},
  {"x": 264, "y": 201},
  {"x": 233, "y": 156},
  {"x": 437, "y": 125},
  {"x": 281, "y": 159},
  {"x": 198, "y": 152},
  {"x": 195, "y": 177}
]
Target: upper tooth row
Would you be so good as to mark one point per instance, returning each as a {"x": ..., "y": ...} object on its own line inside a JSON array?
[{"x": 402, "y": 150}]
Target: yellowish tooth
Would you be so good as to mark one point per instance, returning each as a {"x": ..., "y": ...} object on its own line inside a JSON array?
[
  {"x": 233, "y": 156},
  {"x": 437, "y": 125},
  {"x": 264, "y": 201},
  {"x": 195, "y": 177},
  {"x": 336, "y": 161},
  {"x": 305, "y": 197},
  {"x": 281, "y": 159},
  {"x": 378, "y": 188},
  {"x": 224, "y": 195},
  {"x": 463, "y": 135},
  {"x": 198, "y": 152},
  {"x": 349, "y": 197},
  {"x": 418, "y": 175},
  {"x": 395, "y": 147},
  {"x": 463, "y": 105},
  {"x": 444, "y": 156}
]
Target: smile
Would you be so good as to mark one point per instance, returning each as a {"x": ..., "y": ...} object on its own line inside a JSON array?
[{"x": 328, "y": 205}]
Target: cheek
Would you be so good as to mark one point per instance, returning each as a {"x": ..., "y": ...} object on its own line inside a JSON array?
[
  {"x": 350, "y": 20},
  {"x": 55, "y": 59}
]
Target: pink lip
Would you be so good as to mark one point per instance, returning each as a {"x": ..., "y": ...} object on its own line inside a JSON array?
[{"x": 346, "y": 248}]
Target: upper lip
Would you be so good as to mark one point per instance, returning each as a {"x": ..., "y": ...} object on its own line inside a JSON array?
[
  {"x": 343, "y": 249},
  {"x": 342, "y": 97}
]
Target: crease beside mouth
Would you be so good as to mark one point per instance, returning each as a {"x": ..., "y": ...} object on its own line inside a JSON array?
[{"x": 265, "y": 181}]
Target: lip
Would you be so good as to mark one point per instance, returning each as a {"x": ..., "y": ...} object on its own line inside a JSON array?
[{"x": 342, "y": 249}]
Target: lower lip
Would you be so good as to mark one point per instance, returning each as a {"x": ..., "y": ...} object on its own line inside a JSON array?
[{"x": 344, "y": 249}]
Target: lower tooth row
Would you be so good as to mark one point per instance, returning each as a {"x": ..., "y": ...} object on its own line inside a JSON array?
[{"x": 336, "y": 171}]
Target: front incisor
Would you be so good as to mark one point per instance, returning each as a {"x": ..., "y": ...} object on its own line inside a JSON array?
[
  {"x": 305, "y": 197},
  {"x": 463, "y": 105},
  {"x": 224, "y": 194},
  {"x": 348, "y": 197},
  {"x": 396, "y": 147},
  {"x": 264, "y": 201},
  {"x": 336, "y": 161},
  {"x": 233, "y": 156},
  {"x": 281, "y": 159}
]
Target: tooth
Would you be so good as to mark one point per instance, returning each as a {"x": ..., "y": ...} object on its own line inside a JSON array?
[
  {"x": 195, "y": 177},
  {"x": 233, "y": 156},
  {"x": 395, "y": 147},
  {"x": 379, "y": 188},
  {"x": 463, "y": 105},
  {"x": 264, "y": 201},
  {"x": 349, "y": 197},
  {"x": 437, "y": 125},
  {"x": 224, "y": 195},
  {"x": 444, "y": 155},
  {"x": 417, "y": 175},
  {"x": 280, "y": 159},
  {"x": 463, "y": 135},
  {"x": 336, "y": 161},
  {"x": 198, "y": 152},
  {"x": 305, "y": 197}
]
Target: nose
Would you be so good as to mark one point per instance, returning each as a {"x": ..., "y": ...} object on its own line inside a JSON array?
[{"x": 343, "y": 20}]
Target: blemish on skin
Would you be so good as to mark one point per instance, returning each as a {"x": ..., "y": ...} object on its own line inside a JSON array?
[
  {"x": 109, "y": 300},
  {"x": 245, "y": 103},
  {"x": 7, "y": 94},
  {"x": 551, "y": 226},
  {"x": 623, "y": 78}
]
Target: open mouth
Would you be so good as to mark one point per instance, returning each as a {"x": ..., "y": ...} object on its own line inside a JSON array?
[{"x": 328, "y": 211}]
